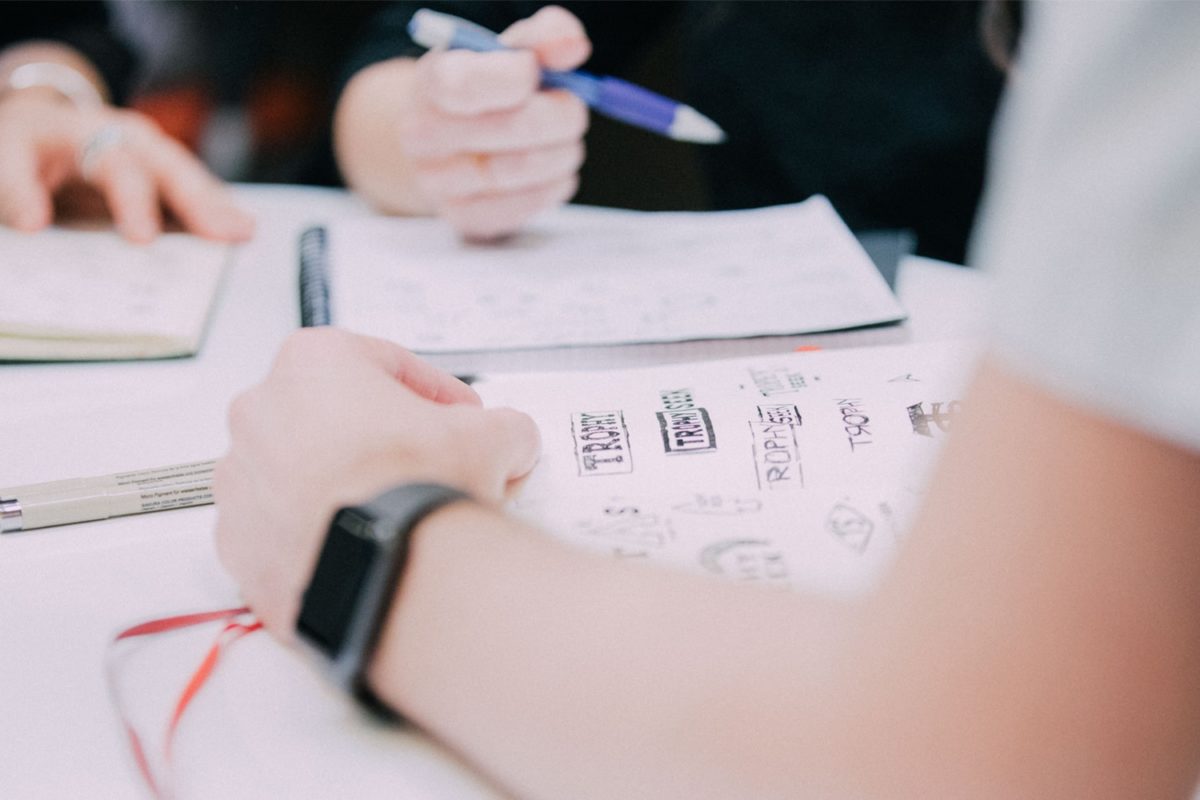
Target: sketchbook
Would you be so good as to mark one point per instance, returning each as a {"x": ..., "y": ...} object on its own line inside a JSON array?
[
  {"x": 581, "y": 276},
  {"x": 798, "y": 469},
  {"x": 76, "y": 295}
]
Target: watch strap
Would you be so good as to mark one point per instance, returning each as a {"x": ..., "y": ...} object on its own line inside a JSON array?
[{"x": 357, "y": 575}]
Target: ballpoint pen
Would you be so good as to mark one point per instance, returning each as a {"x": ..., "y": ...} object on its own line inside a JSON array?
[{"x": 609, "y": 96}]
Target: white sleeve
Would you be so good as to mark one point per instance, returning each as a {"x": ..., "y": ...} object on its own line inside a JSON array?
[{"x": 1091, "y": 222}]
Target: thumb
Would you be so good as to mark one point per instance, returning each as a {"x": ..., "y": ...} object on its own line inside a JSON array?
[
  {"x": 555, "y": 35},
  {"x": 515, "y": 440}
]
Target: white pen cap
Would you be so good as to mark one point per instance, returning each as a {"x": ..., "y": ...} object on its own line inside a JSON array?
[{"x": 431, "y": 29}]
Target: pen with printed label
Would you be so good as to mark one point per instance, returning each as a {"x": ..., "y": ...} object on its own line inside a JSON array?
[
  {"x": 63, "y": 502},
  {"x": 609, "y": 96}
]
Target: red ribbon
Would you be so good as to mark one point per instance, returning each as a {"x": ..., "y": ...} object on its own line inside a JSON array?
[{"x": 229, "y": 633}]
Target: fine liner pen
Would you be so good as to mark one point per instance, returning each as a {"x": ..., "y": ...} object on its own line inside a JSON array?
[
  {"x": 609, "y": 96},
  {"x": 63, "y": 502}
]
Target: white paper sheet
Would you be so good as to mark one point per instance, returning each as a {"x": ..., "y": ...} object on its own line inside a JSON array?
[
  {"x": 800, "y": 469},
  {"x": 586, "y": 276}
]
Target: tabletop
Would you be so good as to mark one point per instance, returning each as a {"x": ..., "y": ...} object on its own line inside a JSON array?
[{"x": 65, "y": 591}]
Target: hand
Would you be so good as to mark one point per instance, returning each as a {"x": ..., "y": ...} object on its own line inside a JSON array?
[
  {"x": 339, "y": 419},
  {"x": 84, "y": 158},
  {"x": 471, "y": 137}
]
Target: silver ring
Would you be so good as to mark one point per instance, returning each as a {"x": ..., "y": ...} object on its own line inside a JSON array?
[{"x": 109, "y": 136}]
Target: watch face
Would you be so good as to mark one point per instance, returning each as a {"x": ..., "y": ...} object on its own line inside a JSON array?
[{"x": 346, "y": 559}]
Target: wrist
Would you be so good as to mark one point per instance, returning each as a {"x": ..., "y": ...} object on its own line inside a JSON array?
[
  {"x": 52, "y": 68},
  {"x": 362, "y": 563},
  {"x": 438, "y": 542}
]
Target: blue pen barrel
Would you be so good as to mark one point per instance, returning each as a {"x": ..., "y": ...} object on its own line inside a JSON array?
[
  {"x": 616, "y": 98},
  {"x": 629, "y": 103},
  {"x": 611, "y": 97},
  {"x": 583, "y": 85}
]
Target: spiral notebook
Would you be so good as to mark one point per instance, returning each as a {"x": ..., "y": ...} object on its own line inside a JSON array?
[{"x": 595, "y": 279}]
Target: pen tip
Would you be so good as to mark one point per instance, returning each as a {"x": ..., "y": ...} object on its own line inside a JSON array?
[{"x": 692, "y": 126}]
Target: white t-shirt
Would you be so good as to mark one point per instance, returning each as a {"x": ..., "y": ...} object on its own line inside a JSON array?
[{"x": 1091, "y": 222}]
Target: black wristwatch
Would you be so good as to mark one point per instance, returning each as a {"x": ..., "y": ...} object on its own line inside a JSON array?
[{"x": 357, "y": 575}]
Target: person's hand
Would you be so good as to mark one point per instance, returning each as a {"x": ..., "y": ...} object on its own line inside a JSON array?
[
  {"x": 470, "y": 136},
  {"x": 95, "y": 160},
  {"x": 339, "y": 419}
]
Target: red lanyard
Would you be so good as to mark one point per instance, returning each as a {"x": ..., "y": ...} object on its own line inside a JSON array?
[{"x": 233, "y": 630}]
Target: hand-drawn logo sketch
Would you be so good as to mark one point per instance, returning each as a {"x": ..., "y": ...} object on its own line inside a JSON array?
[
  {"x": 719, "y": 505},
  {"x": 688, "y": 430},
  {"x": 855, "y": 422},
  {"x": 627, "y": 529},
  {"x": 776, "y": 456},
  {"x": 771, "y": 382},
  {"x": 850, "y": 526},
  {"x": 676, "y": 399},
  {"x": 747, "y": 560},
  {"x": 942, "y": 419},
  {"x": 601, "y": 443},
  {"x": 782, "y": 414}
]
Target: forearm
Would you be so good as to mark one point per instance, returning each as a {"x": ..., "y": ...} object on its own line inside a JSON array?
[
  {"x": 1037, "y": 636},
  {"x": 1034, "y": 640},
  {"x": 367, "y": 142},
  {"x": 562, "y": 674}
]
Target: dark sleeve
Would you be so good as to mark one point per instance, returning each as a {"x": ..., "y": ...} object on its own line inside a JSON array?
[
  {"x": 81, "y": 25},
  {"x": 617, "y": 29},
  {"x": 386, "y": 36}
]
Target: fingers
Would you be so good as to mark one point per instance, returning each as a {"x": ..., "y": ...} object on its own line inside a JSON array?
[
  {"x": 462, "y": 83},
  {"x": 554, "y": 34},
  {"x": 514, "y": 437},
  {"x": 31, "y": 137},
  {"x": 485, "y": 147},
  {"x": 203, "y": 204},
  {"x": 485, "y": 217},
  {"x": 344, "y": 390},
  {"x": 330, "y": 350},
  {"x": 131, "y": 194},
  {"x": 417, "y": 374},
  {"x": 133, "y": 165},
  {"x": 546, "y": 119},
  {"x": 473, "y": 174},
  {"x": 142, "y": 166},
  {"x": 24, "y": 200}
]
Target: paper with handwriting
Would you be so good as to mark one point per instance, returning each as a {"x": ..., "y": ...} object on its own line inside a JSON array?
[
  {"x": 589, "y": 276},
  {"x": 800, "y": 469}
]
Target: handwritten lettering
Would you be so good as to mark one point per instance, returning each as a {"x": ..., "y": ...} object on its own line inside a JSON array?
[
  {"x": 687, "y": 431},
  {"x": 855, "y": 422},
  {"x": 601, "y": 443},
  {"x": 776, "y": 455}
]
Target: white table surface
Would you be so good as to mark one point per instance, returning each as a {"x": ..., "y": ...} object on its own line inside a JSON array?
[{"x": 65, "y": 591}]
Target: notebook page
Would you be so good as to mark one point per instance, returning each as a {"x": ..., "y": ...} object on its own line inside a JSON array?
[
  {"x": 589, "y": 276},
  {"x": 91, "y": 285}
]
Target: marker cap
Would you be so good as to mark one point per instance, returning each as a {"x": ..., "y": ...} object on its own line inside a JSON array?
[{"x": 10, "y": 516}]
